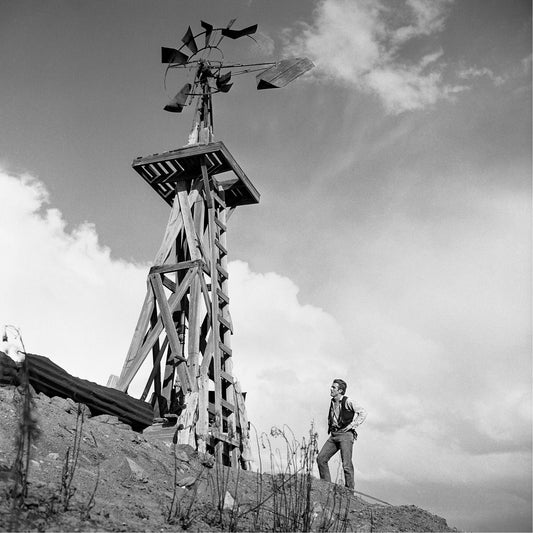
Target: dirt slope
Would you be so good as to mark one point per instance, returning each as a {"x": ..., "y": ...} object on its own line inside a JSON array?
[{"x": 126, "y": 481}]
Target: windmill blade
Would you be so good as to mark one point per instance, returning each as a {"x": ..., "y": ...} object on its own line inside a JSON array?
[
  {"x": 223, "y": 84},
  {"x": 208, "y": 31},
  {"x": 283, "y": 72},
  {"x": 171, "y": 55},
  {"x": 189, "y": 42},
  {"x": 235, "y": 34},
  {"x": 179, "y": 101},
  {"x": 230, "y": 24}
]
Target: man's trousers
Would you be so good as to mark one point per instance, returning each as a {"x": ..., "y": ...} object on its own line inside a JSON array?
[{"x": 342, "y": 441}]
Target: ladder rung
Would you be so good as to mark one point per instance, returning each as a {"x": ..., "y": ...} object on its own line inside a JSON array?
[
  {"x": 222, "y": 272},
  {"x": 224, "y": 322},
  {"x": 227, "y": 405},
  {"x": 218, "y": 435},
  {"x": 223, "y": 296},
  {"x": 226, "y": 376},
  {"x": 220, "y": 247},
  {"x": 220, "y": 224},
  {"x": 218, "y": 200},
  {"x": 226, "y": 349}
]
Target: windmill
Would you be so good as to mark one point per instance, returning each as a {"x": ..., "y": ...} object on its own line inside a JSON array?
[{"x": 185, "y": 323}]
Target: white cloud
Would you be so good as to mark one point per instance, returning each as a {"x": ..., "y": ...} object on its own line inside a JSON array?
[
  {"x": 358, "y": 43},
  {"x": 428, "y": 17},
  {"x": 71, "y": 301},
  {"x": 472, "y": 72}
]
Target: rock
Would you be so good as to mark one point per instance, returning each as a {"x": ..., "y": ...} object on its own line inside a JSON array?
[
  {"x": 229, "y": 501},
  {"x": 67, "y": 404},
  {"x": 53, "y": 456},
  {"x": 206, "y": 459},
  {"x": 131, "y": 470},
  {"x": 110, "y": 419},
  {"x": 186, "y": 481},
  {"x": 186, "y": 449},
  {"x": 106, "y": 419},
  {"x": 182, "y": 455}
]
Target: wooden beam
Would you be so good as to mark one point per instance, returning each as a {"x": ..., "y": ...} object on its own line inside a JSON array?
[
  {"x": 133, "y": 359},
  {"x": 205, "y": 293},
  {"x": 174, "y": 226},
  {"x": 155, "y": 371},
  {"x": 176, "y": 266},
  {"x": 155, "y": 331},
  {"x": 202, "y": 424},
  {"x": 186, "y": 419},
  {"x": 188, "y": 222},
  {"x": 170, "y": 329},
  {"x": 207, "y": 186},
  {"x": 194, "y": 330}
]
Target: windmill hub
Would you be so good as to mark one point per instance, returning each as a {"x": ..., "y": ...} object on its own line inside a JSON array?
[{"x": 214, "y": 76}]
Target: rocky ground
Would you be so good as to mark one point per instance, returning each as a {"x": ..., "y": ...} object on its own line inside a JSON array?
[{"x": 96, "y": 474}]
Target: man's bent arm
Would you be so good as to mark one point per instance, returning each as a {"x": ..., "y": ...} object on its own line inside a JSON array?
[{"x": 360, "y": 415}]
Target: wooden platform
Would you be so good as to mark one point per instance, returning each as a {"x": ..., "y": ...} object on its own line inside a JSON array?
[{"x": 163, "y": 170}]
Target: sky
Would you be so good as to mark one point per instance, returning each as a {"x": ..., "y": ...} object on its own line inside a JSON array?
[{"x": 391, "y": 246}]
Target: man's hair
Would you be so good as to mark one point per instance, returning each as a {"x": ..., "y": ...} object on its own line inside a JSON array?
[{"x": 342, "y": 385}]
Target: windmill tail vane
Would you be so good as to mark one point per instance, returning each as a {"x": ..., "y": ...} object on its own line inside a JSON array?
[{"x": 214, "y": 76}]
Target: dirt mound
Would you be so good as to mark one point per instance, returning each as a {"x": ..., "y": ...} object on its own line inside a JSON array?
[{"x": 96, "y": 474}]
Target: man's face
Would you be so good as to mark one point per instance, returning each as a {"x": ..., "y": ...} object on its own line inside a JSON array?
[{"x": 334, "y": 390}]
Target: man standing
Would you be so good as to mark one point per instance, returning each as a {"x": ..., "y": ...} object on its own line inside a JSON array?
[{"x": 344, "y": 416}]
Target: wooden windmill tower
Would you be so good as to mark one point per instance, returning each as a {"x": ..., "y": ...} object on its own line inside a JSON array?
[{"x": 184, "y": 328}]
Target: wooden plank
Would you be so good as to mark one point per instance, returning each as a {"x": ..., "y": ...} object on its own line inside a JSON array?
[
  {"x": 155, "y": 368},
  {"x": 229, "y": 212},
  {"x": 208, "y": 354},
  {"x": 254, "y": 193},
  {"x": 226, "y": 376},
  {"x": 134, "y": 359},
  {"x": 207, "y": 185},
  {"x": 155, "y": 371},
  {"x": 170, "y": 285},
  {"x": 170, "y": 329},
  {"x": 169, "y": 377},
  {"x": 174, "y": 226},
  {"x": 154, "y": 332},
  {"x": 215, "y": 311},
  {"x": 193, "y": 344},
  {"x": 186, "y": 418},
  {"x": 220, "y": 224},
  {"x": 242, "y": 422},
  {"x": 220, "y": 247},
  {"x": 227, "y": 405},
  {"x": 224, "y": 437},
  {"x": 176, "y": 266},
  {"x": 219, "y": 201},
  {"x": 173, "y": 302},
  {"x": 224, "y": 348},
  {"x": 199, "y": 213},
  {"x": 188, "y": 222},
  {"x": 202, "y": 424},
  {"x": 223, "y": 296},
  {"x": 205, "y": 293},
  {"x": 222, "y": 271},
  {"x": 224, "y": 322}
]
